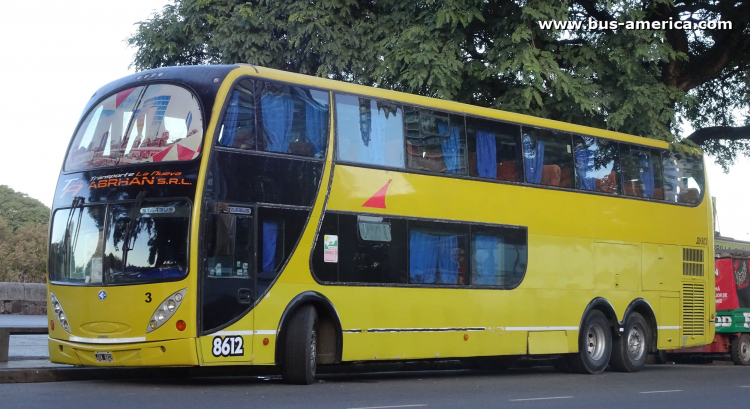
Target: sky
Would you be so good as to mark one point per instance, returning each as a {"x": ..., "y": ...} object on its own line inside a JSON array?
[{"x": 57, "y": 53}]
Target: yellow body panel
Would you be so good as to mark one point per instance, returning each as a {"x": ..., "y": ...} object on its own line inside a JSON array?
[{"x": 580, "y": 246}]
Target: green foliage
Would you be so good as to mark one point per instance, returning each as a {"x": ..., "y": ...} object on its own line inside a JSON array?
[
  {"x": 19, "y": 209},
  {"x": 487, "y": 52},
  {"x": 23, "y": 237}
]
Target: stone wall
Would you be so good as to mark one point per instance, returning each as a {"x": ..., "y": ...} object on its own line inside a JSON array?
[{"x": 23, "y": 298}]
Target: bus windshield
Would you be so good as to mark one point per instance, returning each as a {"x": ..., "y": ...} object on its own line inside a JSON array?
[
  {"x": 157, "y": 123},
  {"x": 120, "y": 243}
]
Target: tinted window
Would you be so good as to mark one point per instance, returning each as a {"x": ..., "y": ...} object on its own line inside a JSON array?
[
  {"x": 278, "y": 232},
  {"x": 369, "y": 131},
  {"x": 597, "y": 164},
  {"x": 548, "y": 157},
  {"x": 362, "y": 261},
  {"x": 147, "y": 243},
  {"x": 641, "y": 171},
  {"x": 238, "y": 128},
  {"x": 498, "y": 256},
  {"x": 76, "y": 245},
  {"x": 165, "y": 126},
  {"x": 435, "y": 141},
  {"x": 438, "y": 253},
  {"x": 684, "y": 180},
  {"x": 368, "y": 249},
  {"x": 493, "y": 150},
  {"x": 289, "y": 119}
]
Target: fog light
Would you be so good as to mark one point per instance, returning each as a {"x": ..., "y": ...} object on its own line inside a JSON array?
[
  {"x": 180, "y": 325},
  {"x": 152, "y": 324}
]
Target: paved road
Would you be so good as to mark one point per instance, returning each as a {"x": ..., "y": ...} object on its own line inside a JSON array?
[{"x": 660, "y": 386}]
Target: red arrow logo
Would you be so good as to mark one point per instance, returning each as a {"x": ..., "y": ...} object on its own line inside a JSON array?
[{"x": 378, "y": 199}]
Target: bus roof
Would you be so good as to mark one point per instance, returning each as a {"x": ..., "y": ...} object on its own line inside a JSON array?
[{"x": 284, "y": 76}]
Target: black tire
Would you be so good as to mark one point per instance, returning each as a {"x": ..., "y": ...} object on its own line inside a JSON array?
[
  {"x": 740, "y": 350},
  {"x": 630, "y": 349},
  {"x": 300, "y": 347},
  {"x": 594, "y": 345}
]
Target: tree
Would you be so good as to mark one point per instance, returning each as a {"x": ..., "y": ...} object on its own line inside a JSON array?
[
  {"x": 23, "y": 237},
  {"x": 19, "y": 209},
  {"x": 494, "y": 53}
]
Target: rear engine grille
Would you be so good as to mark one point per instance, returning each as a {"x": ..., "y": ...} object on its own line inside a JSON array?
[{"x": 693, "y": 309}]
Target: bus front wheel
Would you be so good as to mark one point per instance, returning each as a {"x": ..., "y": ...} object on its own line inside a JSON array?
[
  {"x": 630, "y": 350},
  {"x": 300, "y": 347},
  {"x": 741, "y": 350},
  {"x": 594, "y": 345}
]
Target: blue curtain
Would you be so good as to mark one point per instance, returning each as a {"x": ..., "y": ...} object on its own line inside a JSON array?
[
  {"x": 451, "y": 148},
  {"x": 270, "y": 236},
  {"x": 647, "y": 176},
  {"x": 533, "y": 160},
  {"x": 428, "y": 254},
  {"x": 485, "y": 262},
  {"x": 230, "y": 121},
  {"x": 584, "y": 165},
  {"x": 448, "y": 259},
  {"x": 423, "y": 257},
  {"x": 277, "y": 120},
  {"x": 486, "y": 155},
  {"x": 315, "y": 121}
]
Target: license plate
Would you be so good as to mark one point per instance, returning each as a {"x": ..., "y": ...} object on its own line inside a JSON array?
[{"x": 103, "y": 357}]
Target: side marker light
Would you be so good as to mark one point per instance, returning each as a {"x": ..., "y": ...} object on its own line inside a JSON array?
[
  {"x": 265, "y": 341},
  {"x": 52, "y": 325},
  {"x": 466, "y": 337},
  {"x": 181, "y": 325}
]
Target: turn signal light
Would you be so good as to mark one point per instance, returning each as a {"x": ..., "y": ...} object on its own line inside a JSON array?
[
  {"x": 52, "y": 325},
  {"x": 180, "y": 325}
]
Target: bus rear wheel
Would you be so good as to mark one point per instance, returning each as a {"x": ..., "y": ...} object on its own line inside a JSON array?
[
  {"x": 594, "y": 345},
  {"x": 741, "y": 350},
  {"x": 630, "y": 350},
  {"x": 300, "y": 347}
]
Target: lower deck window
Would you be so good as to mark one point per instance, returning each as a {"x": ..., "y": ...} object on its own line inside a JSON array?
[{"x": 419, "y": 252}]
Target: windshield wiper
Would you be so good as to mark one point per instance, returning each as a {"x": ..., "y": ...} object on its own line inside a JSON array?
[
  {"x": 126, "y": 245},
  {"x": 77, "y": 202}
]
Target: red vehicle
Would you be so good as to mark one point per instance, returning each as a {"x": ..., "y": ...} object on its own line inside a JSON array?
[{"x": 732, "y": 271}]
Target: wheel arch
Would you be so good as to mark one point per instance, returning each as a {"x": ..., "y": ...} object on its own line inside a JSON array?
[
  {"x": 601, "y": 304},
  {"x": 644, "y": 308},
  {"x": 327, "y": 315}
]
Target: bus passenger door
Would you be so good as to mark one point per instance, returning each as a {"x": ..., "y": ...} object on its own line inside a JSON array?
[{"x": 228, "y": 285}]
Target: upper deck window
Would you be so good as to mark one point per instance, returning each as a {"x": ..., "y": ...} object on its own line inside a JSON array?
[
  {"x": 370, "y": 131},
  {"x": 280, "y": 118},
  {"x": 159, "y": 123},
  {"x": 597, "y": 164},
  {"x": 642, "y": 171},
  {"x": 548, "y": 157},
  {"x": 684, "y": 180}
]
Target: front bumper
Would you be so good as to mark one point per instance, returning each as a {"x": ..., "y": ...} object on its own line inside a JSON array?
[{"x": 177, "y": 352}]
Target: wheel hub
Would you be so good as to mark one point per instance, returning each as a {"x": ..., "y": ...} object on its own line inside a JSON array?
[
  {"x": 636, "y": 344},
  {"x": 595, "y": 342}
]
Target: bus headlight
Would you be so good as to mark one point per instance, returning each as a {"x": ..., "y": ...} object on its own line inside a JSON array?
[
  {"x": 166, "y": 310},
  {"x": 59, "y": 314}
]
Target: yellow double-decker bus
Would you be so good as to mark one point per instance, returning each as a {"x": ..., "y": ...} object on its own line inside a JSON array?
[{"x": 239, "y": 215}]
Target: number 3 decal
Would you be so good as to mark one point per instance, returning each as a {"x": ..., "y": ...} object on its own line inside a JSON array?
[{"x": 228, "y": 346}]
